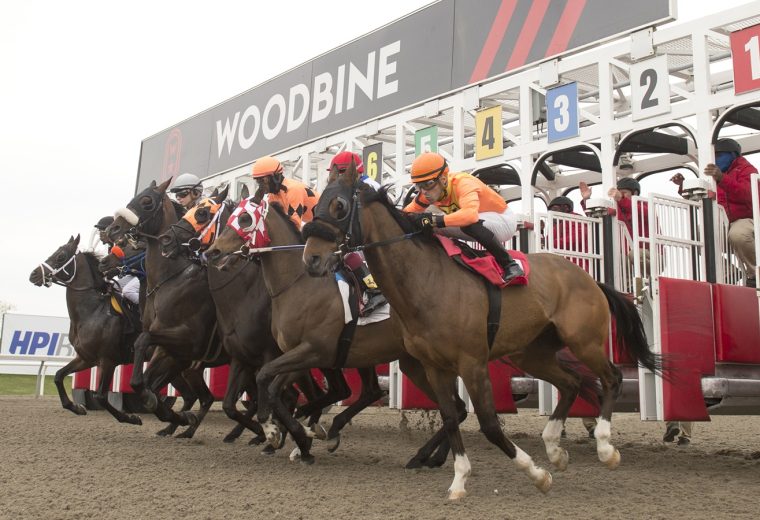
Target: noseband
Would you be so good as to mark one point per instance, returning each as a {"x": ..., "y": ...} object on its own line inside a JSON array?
[{"x": 50, "y": 276}]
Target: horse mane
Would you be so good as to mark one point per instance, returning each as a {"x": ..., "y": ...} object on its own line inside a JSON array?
[
  {"x": 368, "y": 194},
  {"x": 92, "y": 263},
  {"x": 179, "y": 210},
  {"x": 277, "y": 207}
]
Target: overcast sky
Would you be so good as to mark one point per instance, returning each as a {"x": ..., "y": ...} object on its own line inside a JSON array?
[{"x": 83, "y": 82}]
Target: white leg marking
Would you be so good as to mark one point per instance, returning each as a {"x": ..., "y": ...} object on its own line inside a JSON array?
[
  {"x": 295, "y": 454},
  {"x": 606, "y": 451},
  {"x": 541, "y": 478},
  {"x": 551, "y": 436},
  {"x": 271, "y": 431},
  {"x": 462, "y": 470}
]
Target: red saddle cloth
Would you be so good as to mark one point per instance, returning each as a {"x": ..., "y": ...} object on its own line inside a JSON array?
[{"x": 486, "y": 265}]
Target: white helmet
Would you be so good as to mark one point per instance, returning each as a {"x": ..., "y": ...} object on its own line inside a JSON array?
[{"x": 186, "y": 181}]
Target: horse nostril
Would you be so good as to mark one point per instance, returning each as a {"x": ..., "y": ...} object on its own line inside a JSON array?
[
  {"x": 314, "y": 261},
  {"x": 165, "y": 240}
]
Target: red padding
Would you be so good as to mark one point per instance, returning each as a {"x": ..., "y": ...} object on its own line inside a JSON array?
[
  {"x": 501, "y": 382},
  {"x": 737, "y": 324},
  {"x": 126, "y": 375},
  {"x": 81, "y": 380},
  {"x": 688, "y": 338},
  {"x": 217, "y": 381},
  {"x": 413, "y": 398}
]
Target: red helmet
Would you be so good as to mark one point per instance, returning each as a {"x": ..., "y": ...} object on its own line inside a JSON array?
[{"x": 343, "y": 161}]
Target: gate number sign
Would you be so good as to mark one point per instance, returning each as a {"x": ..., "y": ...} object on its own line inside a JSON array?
[
  {"x": 745, "y": 53},
  {"x": 650, "y": 88},
  {"x": 488, "y": 133},
  {"x": 373, "y": 161},
  {"x": 562, "y": 112}
]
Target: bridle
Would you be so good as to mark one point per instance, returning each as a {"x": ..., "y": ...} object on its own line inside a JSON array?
[{"x": 50, "y": 276}]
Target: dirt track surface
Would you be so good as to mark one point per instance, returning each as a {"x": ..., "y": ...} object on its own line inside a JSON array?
[{"x": 57, "y": 465}]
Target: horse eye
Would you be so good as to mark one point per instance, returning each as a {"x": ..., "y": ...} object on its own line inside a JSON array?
[
  {"x": 245, "y": 220},
  {"x": 60, "y": 257},
  {"x": 341, "y": 208},
  {"x": 201, "y": 216},
  {"x": 146, "y": 203}
]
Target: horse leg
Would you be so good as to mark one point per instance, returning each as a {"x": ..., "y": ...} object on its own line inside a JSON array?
[
  {"x": 239, "y": 376},
  {"x": 162, "y": 370},
  {"x": 188, "y": 400},
  {"x": 137, "y": 381},
  {"x": 312, "y": 391},
  {"x": 371, "y": 392},
  {"x": 107, "y": 368},
  {"x": 194, "y": 377},
  {"x": 337, "y": 390},
  {"x": 75, "y": 365},
  {"x": 282, "y": 414},
  {"x": 444, "y": 386},
  {"x": 542, "y": 363},
  {"x": 425, "y": 456},
  {"x": 475, "y": 375}
]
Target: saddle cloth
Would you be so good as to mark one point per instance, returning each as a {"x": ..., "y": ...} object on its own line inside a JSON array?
[
  {"x": 482, "y": 263},
  {"x": 379, "y": 314}
]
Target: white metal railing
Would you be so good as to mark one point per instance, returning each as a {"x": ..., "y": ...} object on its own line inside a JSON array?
[
  {"x": 575, "y": 237},
  {"x": 623, "y": 266},
  {"x": 729, "y": 267},
  {"x": 41, "y": 362}
]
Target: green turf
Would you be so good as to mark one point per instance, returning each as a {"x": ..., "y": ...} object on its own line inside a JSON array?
[{"x": 14, "y": 384}]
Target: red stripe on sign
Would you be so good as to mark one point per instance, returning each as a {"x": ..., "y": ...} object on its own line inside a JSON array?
[
  {"x": 567, "y": 23},
  {"x": 493, "y": 41},
  {"x": 528, "y": 34}
]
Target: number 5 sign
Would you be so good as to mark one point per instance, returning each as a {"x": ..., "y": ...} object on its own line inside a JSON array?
[
  {"x": 650, "y": 88},
  {"x": 745, "y": 53},
  {"x": 562, "y": 112}
]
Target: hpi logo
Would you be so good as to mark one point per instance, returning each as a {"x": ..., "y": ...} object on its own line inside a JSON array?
[
  {"x": 38, "y": 343},
  {"x": 172, "y": 154}
]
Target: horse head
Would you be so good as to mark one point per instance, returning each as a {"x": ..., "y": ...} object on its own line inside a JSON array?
[
  {"x": 143, "y": 213},
  {"x": 335, "y": 224},
  {"x": 198, "y": 228},
  {"x": 121, "y": 257},
  {"x": 58, "y": 267},
  {"x": 244, "y": 230}
]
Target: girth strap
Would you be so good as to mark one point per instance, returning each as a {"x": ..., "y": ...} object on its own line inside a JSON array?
[
  {"x": 494, "y": 312},
  {"x": 349, "y": 329}
]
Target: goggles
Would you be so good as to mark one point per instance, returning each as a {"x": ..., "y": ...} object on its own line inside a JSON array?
[{"x": 427, "y": 185}]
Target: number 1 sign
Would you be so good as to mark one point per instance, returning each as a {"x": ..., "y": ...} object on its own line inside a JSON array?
[{"x": 745, "y": 53}]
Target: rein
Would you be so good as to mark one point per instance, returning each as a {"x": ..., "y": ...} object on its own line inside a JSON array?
[
  {"x": 274, "y": 295},
  {"x": 170, "y": 277},
  {"x": 50, "y": 277},
  {"x": 380, "y": 243}
]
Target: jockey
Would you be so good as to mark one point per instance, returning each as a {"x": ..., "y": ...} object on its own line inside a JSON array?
[
  {"x": 295, "y": 197},
  {"x": 470, "y": 209},
  {"x": 129, "y": 285},
  {"x": 187, "y": 189},
  {"x": 355, "y": 260}
]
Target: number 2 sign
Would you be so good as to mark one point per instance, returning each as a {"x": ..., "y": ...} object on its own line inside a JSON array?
[
  {"x": 650, "y": 88},
  {"x": 745, "y": 53}
]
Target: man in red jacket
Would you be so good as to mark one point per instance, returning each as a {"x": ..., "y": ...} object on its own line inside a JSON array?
[{"x": 733, "y": 176}]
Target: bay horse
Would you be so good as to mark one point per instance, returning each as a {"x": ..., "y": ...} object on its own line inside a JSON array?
[
  {"x": 98, "y": 337},
  {"x": 442, "y": 309},
  {"x": 307, "y": 320},
  {"x": 243, "y": 308},
  {"x": 178, "y": 316}
]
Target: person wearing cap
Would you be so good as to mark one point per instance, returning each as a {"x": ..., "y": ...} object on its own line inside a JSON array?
[
  {"x": 101, "y": 226},
  {"x": 295, "y": 197},
  {"x": 733, "y": 179},
  {"x": 567, "y": 237},
  {"x": 372, "y": 296},
  {"x": 129, "y": 285},
  {"x": 187, "y": 189},
  {"x": 470, "y": 209}
]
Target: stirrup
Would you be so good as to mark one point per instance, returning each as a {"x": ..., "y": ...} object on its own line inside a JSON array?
[
  {"x": 511, "y": 271},
  {"x": 374, "y": 302}
]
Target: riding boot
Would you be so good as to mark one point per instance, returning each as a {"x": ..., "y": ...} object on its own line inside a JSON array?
[
  {"x": 487, "y": 239},
  {"x": 359, "y": 269}
]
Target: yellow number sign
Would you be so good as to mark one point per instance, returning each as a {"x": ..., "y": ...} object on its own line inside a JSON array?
[{"x": 488, "y": 133}]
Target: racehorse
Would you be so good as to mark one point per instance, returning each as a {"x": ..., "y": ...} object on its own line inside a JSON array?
[
  {"x": 98, "y": 337},
  {"x": 442, "y": 309},
  {"x": 178, "y": 316},
  {"x": 308, "y": 319},
  {"x": 243, "y": 308}
]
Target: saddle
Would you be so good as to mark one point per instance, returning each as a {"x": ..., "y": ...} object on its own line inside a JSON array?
[
  {"x": 129, "y": 312},
  {"x": 482, "y": 263}
]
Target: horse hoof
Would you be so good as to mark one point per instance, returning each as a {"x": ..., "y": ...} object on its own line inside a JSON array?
[
  {"x": 561, "y": 462},
  {"x": 268, "y": 450},
  {"x": 272, "y": 433},
  {"x": 319, "y": 431},
  {"x": 457, "y": 495},
  {"x": 414, "y": 464},
  {"x": 307, "y": 460},
  {"x": 614, "y": 461},
  {"x": 295, "y": 454},
  {"x": 134, "y": 419},
  {"x": 187, "y": 434},
  {"x": 279, "y": 442},
  {"x": 544, "y": 484},
  {"x": 256, "y": 441},
  {"x": 336, "y": 443},
  {"x": 78, "y": 409},
  {"x": 166, "y": 432},
  {"x": 229, "y": 438}
]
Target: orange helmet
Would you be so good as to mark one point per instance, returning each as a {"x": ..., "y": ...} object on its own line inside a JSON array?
[
  {"x": 266, "y": 166},
  {"x": 428, "y": 166}
]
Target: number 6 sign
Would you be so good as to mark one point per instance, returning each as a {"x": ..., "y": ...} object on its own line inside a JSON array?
[
  {"x": 745, "y": 53},
  {"x": 562, "y": 112},
  {"x": 650, "y": 88}
]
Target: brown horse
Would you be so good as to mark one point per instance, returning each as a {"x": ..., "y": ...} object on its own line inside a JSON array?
[
  {"x": 178, "y": 316},
  {"x": 98, "y": 337},
  {"x": 442, "y": 310},
  {"x": 308, "y": 318},
  {"x": 243, "y": 308}
]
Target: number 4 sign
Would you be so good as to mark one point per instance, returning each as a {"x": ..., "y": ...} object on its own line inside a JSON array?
[{"x": 745, "y": 53}]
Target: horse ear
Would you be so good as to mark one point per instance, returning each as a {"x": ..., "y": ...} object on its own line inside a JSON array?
[
  {"x": 351, "y": 173},
  {"x": 152, "y": 184},
  {"x": 214, "y": 193},
  {"x": 333, "y": 175},
  {"x": 221, "y": 196},
  {"x": 162, "y": 187},
  {"x": 76, "y": 240}
]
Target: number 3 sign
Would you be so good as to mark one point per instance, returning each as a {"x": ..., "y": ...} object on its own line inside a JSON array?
[
  {"x": 562, "y": 112},
  {"x": 650, "y": 88},
  {"x": 745, "y": 53}
]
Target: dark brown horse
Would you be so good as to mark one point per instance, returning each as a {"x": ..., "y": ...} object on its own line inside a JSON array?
[
  {"x": 308, "y": 318},
  {"x": 442, "y": 309},
  {"x": 243, "y": 308},
  {"x": 98, "y": 337},
  {"x": 178, "y": 316}
]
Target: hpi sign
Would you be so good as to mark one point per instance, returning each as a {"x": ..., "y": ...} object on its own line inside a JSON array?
[{"x": 25, "y": 335}]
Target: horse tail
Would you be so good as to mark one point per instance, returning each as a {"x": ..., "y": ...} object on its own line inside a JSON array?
[{"x": 630, "y": 330}]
